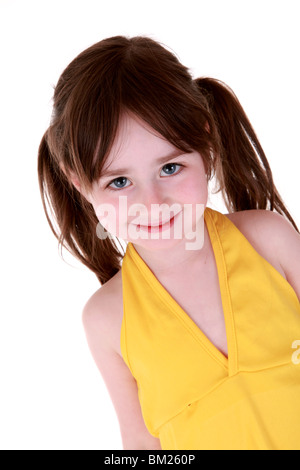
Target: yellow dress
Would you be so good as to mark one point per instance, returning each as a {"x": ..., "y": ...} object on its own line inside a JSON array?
[{"x": 191, "y": 395}]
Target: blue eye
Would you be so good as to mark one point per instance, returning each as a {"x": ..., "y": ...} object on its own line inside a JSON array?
[
  {"x": 120, "y": 182},
  {"x": 172, "y": 166}
]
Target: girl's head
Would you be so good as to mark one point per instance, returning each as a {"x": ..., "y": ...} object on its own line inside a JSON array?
[{"x": 127, "y": 102}]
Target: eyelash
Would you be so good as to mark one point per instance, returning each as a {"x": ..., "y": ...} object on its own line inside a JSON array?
[{"x": 119, "y": 189}]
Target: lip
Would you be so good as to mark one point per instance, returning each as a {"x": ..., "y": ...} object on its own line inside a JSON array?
[
  {"x": 158, "y": 227},
  {"x": 155, "y": 225}
]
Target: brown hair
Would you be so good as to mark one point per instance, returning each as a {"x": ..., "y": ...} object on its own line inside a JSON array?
[{"x": 140, "y": 75}]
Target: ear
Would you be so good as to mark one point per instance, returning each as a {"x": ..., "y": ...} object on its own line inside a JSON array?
[
  {"x": 75, "y": 182},
  {"x": 74, "y": 178}
]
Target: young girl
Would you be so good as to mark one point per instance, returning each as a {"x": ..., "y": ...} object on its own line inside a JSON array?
[{"x": 196, "y": 330}]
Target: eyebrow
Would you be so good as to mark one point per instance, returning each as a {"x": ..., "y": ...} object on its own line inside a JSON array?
[{"x": 120, "y": 171}]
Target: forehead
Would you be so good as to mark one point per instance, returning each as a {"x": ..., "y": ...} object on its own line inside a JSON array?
[{"x": 135, "y": 139}]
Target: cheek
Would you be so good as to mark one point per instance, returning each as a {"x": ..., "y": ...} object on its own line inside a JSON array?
[
  {"x": 111, "y": 216},
  {"x": 193, "y": 189},
  {"x": 193, "y": 193}
]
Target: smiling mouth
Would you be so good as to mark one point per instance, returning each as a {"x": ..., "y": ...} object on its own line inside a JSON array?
[
  {"x": 160, "y": 224},
  {"x": 158, "y": 227}
]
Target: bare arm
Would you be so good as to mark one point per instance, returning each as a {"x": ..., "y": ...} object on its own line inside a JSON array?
[{"x": 97, "y": 320}]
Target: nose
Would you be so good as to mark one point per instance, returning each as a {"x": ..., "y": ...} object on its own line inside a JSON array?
[
  {"x": 150, "y": 194},
  {"x": 146, "y": 203}
]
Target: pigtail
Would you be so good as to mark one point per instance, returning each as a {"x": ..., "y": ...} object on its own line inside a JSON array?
[
  {"x": 243, "y": 171},
  {"x": 76, "y": 220}
]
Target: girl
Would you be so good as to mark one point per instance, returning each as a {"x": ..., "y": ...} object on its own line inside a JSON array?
[{"x": 195, "y": 328}]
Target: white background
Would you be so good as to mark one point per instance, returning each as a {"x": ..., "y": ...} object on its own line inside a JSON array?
[{"x": 52, "y": 395}]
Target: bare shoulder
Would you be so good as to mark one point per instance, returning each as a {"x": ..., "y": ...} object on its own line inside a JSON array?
[
  {"x": 259, "y": 227},
  {"x": 257, "y": 224},
  {"x": 103, "y": 312}
]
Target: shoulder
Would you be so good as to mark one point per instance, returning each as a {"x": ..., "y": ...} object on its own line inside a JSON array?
[
  {"x": 252, "y": 223},
  {"x": 267, "y": 227},
  {"x": 260, "y": 227},
  {"x": 103, "y": 313},
  {"x": 257, "y": 221},
  {"x": 275, "y": 238}
]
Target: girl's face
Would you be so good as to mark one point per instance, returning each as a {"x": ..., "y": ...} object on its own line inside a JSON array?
[{"x": 147, "y": 182}]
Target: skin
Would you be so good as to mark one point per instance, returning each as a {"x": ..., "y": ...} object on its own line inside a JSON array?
[{"x": 137, "y": 148}]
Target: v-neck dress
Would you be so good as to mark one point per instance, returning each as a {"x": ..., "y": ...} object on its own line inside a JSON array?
[{"x": 191, "y": 395}]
